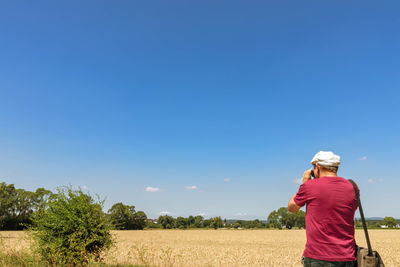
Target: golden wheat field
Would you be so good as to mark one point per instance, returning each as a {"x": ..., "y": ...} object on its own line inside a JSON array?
[{"x": 216, "y": 247}]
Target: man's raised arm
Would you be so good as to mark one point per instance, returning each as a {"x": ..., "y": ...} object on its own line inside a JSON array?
[{"x": 292, "y": 206}]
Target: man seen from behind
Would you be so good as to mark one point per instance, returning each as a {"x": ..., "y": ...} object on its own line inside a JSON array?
[{"x": 330, "y": 206}]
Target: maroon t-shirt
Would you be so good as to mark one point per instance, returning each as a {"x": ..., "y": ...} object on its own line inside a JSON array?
[{"x": 331, "y": 204}]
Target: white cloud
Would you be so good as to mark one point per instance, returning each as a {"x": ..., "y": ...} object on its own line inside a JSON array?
[
  {"x": 239, "y": 214},
  {"x": 297, "y": 181},
  {"x": 202, "y": 214},
  {"x": 152, "y": 189},
  {"x": 85, "y": 187},
  {"x": 227, "y": 180},
  {"x": 363, "y": 158},
  {"x": 372, "y": 181},
  {"x": 191, "y": 187},
  {"x": 162, "y": 213}
]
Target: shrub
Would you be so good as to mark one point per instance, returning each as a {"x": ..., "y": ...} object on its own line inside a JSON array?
[{"x": 72, "y": 229}]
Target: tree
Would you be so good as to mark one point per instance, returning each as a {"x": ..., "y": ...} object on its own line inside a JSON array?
[
  {"x": 8, "y": 198},
  {"x": 389, "y": 221},
  {"x": 282, "y": 217},
  {"x": 139, "y": 220},
  {"x": 198, "y": 221},
  {"x": 72, "y": 229},
  {"x": 216, "y": 222},
  {"x": 122, "y": 216},
  {"x": 301, "y": 219},
  {"x": 180, "y": 223},
  {"x": 17, "y": 205},
  {"x": 190, "y": 222},
  {"x": 273, "y": 220},
  {"x": 236, "y": 225},
  {"x": 166, "y": 221}
]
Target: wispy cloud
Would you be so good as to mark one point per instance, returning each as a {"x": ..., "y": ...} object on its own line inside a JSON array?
[
  {"x": 202, "y": 214},
  {"x": 372, "y": 181},
  {"x": 152, "y": 189},
  {"x": 240, "y": 214},
  {"x": 297, "y": 181},
  {"x": 162, "y": 213},
  {"x": 227, "y": 180},
  {"x": 363, "y": 158},
  {"x": 191, "y": 187},
  {"x": 85, "y": 187}
]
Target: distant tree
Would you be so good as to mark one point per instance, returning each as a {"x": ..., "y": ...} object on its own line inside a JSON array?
[
  {"x": 198, "y": 221},
  {"x": 236, "y": 225},
  {"x": 282, "y": 217},
  {"x": 216, "y": 222},
  {"x": 357, "y": 223},
  {"x": 153, "y": 224},
  {"x": 139, "y": 220},
  {"x": 389, "y": 221},
  {"x": 181, "y": 223},
  {"x": 206, "y": 223},
  {"x": 190, "y": 222},
  {"x": 255, "y": 224},
  {"x": 122, "y": 216},
  {"x": 273, "y": 220},
  {"x": 300, "y": 219},
  {"x": 373, "y": 224},
  {"x": 166, "y": 221},
  {"x": 8, "y": 198},
  {"x": 17, "y": 205}
]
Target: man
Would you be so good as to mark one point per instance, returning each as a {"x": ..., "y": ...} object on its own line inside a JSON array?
[{"x": 331, "y": 204}]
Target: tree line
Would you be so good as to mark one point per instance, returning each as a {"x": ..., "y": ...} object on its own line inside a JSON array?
[{"x": 17, "y": 207}]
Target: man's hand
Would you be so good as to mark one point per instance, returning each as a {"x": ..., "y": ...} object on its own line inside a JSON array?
[{"x": 307, "y": 175}]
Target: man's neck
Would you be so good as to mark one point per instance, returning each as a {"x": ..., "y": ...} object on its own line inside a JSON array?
[{"x": 329, "y": 174}]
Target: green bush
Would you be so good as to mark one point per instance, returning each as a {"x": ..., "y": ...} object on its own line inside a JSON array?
[{"x": 72, "y": 229}]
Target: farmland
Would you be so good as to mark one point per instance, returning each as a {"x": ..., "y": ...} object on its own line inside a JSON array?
[{"x": 215, "y": 247}]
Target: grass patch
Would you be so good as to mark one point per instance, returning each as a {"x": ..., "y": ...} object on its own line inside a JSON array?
[{"x": 28, "y": 260}]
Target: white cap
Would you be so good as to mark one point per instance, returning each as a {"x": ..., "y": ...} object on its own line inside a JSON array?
[{"x": 326, "y": 158}]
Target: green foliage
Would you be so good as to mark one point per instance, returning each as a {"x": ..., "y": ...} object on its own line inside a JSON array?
[
  {"x": 198, "y": 221},
  {"x": 139, "y": 220},
  {"x": 166, "y": 221},
  {"x": 124, "y": 217},
  {"x": 216, "y": 222},
  {"x": 389, "y": 221},
  {"x": 153, "y": 224},
  {"x": 17, "y": 205},
  {"x": 250, "y": 224},
  {"x": 283, "y": 218},
  {"x": 273, "y": 220},
  {"x": 181, "y": 223},
  {"x": 72, "y": 229}
]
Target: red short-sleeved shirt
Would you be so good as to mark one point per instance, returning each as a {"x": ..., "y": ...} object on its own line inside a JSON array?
[{"x": 331, "y": 204}]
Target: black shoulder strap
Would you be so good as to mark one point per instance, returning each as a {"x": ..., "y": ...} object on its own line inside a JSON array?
[{"x": 362, "y": 217}]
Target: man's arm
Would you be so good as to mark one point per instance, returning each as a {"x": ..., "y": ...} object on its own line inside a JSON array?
[{"x": 292, "y": 206}]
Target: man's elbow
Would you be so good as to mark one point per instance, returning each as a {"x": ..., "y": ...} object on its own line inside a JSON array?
[{"x": 292, "y": 207}]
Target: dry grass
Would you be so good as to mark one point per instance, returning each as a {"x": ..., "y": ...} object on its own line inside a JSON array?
[{"x": 217, "y": 248}]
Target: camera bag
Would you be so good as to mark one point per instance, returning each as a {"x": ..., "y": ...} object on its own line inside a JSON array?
[{"x": 366, "y": 257}]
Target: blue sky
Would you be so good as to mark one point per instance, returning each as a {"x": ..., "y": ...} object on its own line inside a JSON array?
[{"x": 207, "y": 107}]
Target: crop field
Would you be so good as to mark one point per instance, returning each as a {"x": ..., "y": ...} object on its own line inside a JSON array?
[{"x": 215, "y": 247}]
